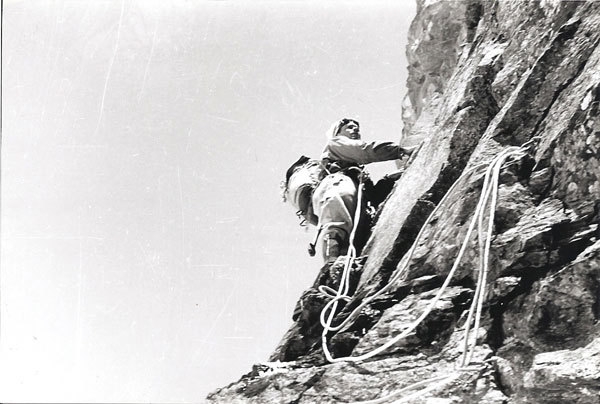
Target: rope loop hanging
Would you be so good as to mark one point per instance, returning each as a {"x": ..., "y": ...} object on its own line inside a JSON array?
[{"x": 487, "y": 201}]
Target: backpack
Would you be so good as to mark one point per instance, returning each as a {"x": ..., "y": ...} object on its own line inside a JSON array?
[{"x": 301, "y": 179}]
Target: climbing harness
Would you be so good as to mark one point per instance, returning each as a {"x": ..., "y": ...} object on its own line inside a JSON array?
[{"x": 489, "y": 190}]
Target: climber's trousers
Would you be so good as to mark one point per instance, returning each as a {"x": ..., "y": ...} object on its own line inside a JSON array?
[{"x": 334, "y": 203}]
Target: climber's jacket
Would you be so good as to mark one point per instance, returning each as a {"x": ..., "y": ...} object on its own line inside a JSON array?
[
  {"x": 349, "y": 155},
  {"x": 340, "y": 154},
  {"x": 346, "y": 151}
]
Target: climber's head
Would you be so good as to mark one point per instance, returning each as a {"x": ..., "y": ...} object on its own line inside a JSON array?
[{"x": 349, "y": 128}]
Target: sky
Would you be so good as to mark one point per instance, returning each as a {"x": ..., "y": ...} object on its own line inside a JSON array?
[{"x": 146, "y": 255}]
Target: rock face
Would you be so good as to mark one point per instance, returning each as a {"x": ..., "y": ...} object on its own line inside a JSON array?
[{"x": 484, "y": 75}]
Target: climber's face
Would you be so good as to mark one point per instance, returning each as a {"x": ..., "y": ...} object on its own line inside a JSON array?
[{"x": 350, "y": 130}]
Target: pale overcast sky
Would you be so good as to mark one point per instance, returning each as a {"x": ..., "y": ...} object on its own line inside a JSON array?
[{"x": 146, "y": 255}]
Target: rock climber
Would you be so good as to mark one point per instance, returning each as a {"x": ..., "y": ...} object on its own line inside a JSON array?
[{"x": 334, "y": 195}]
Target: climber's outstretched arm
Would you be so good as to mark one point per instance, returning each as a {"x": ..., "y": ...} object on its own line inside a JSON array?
[{"x": 361, "y": 152}]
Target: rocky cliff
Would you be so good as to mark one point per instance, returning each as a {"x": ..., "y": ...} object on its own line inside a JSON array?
[{"x": 485, "y": 76}]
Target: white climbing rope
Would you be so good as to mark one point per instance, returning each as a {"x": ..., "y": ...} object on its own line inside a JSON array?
[
  {"x": 327, "y": 324},
  {"x": 344, "y": 287},
  {"x": 341, "y": 296},
  {"x": 489, "y": 189},
  {"x": 400, "y": 272},
  {"x": 484, "y": 252}
]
